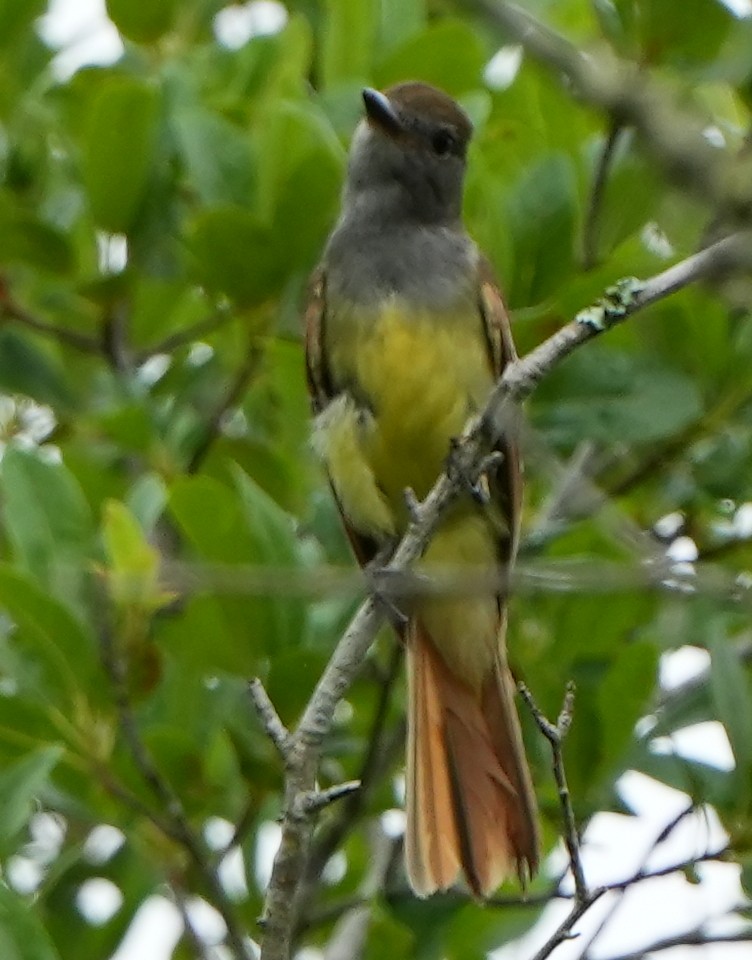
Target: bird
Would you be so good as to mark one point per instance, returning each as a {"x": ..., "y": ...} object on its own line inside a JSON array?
[{"x": 406, "y": 332}]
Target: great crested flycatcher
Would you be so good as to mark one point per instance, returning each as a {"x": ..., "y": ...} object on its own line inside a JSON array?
[{"x": 406, "y": 332}]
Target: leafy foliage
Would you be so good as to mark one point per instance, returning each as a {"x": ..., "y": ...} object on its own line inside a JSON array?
[{"x": 159, "y": 217}]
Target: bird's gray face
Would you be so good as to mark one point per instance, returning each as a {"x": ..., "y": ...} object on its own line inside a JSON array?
[{"x": 411, "y": 146}]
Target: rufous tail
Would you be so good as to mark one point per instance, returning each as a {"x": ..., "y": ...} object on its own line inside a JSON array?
[{"x": 470, "y": 804}]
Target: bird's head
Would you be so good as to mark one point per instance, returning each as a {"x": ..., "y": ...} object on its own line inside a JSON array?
[{"x": 412, "y": 144}]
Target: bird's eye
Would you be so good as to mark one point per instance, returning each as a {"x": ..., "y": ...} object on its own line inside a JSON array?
[{"x": 442, "y": 142}]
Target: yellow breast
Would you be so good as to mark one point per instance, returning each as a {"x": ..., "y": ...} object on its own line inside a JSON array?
[{"x": 411, "y": 380}]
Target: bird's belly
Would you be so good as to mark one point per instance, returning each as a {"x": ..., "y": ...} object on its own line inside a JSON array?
[{"x": 412, "y": 381}]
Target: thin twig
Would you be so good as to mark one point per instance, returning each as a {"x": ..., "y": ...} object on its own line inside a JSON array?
[
  {"x": 70, "y": 338},
  {"x": 135, "y": 804},
  {"x": 680, "y": 867},
  {"x": 592, "y": 216},
  {"x": 182, "y": 338},
  {"x": 319, "y": 799},
  {"x": 554, "y": 892},
  {"x": 201, "y": 949},
  {"x": 213, "y": 426},
  {"x": 555, "y": 734},
  {"x": 573, "y": 494},
  {"x": 624, "y": 91},
  {"x": 275, "y": 729},
  {"x": 349, "y": 937},
  {"x": 565, "y": 929},
  {"x": 334, "y": 834},
  {"x": 115, "y": 339},
  {"x": 692, "y": 938},
  {"x": 616, "y": 901}
]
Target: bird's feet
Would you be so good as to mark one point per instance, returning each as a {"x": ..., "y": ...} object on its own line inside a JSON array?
[
  {"x": 462, "y": 468},
  {"x": 387, "y": 586}
]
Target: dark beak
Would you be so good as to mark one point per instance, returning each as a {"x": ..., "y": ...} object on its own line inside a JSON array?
[{"x": 380, "y": 111}]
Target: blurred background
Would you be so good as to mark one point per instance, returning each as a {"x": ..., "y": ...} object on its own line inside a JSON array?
[{"x": 168, "y": 174}]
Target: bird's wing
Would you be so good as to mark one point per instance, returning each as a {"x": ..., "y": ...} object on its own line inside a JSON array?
[
  {"x": 507, "y": 478},
  {"x": 314, "y": 318},
  {"x": 323, "y": 390}
]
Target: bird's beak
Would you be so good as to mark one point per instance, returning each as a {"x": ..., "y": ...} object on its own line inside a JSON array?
[{"x": 380, "y": 111}]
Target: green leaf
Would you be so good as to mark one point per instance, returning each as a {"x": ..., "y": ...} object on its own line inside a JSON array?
[
  {"x": 692, "y": 331},
  {"x": 399, "y": 21},
  {"x": 623, "y": 697},
  {"x": 448, "y": 54},
  {"x": 212, "y": 634},
  {"x": 133, "y": 569},
  {"x": 701, "y": 781},
  {"x": 25, "y": 369},
  {"x": 161, "y": 307},
  {"x": 119, "y": 151},
  {"x": 301, "y": 165},
  {"x": 246, "y": 254},
  {"x": 228, "y": 529},
  {"x": 61, "y": 657},
  {"x": 603, "y": 394},
  {"x": 732, "y": 696},
  {"x": 217, "y": 155},
  {"x": 347, "y": 46},
  {"x": 234, "y": 254},
  {"x": 293, "y": 136},
  {"x": 629, "y": 197},
  {"x": 16, "y": 17},
  {"x": 613, "y": 26},
  {"x": 542, "y": 218},
  {"x": 22, "y": 936},
  {"x": 142, "y": 22},
  {"x": 275, "y": 545},
  {"x": 125, "y": 544},
  {"x": 693, "y": 37},
  {"x": 46, "y": 517},
  {"x": 273, "y": 67},
  {"x": 147, "y": 499},
  {"x": 24, "y": 238},
  {"x": 20, "y": 785}
]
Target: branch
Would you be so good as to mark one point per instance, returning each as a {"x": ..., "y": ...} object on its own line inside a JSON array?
[
  {"x": 624, "y": 91},
  {"x": 319, "y": 799},
  {"x": 622, "y": 300},
  {"x": 683, "y": 865},
  {"x": 348, "y": 939},
  {"x": 115, "y": 340},
  {"x": 200, "y": 949},
  {"x": 592, "y": 216},
  {"x": 572, "y": 495},
  {"x": 581, "y": 906},
  {"x": 9, "y": 310},
  {"x": 182, "y": 338},
  {"x": 518, "y": 381},
  {"x": 234, "y": 395},
  {"x": 555, "y": 734},
  {"x": 693, "y": 938},
  {"x": 330, "y": 840},
  {"x": 605, "y": 920},
  {"x": 583, "y": 897},
  {"x": 275, "y": 729},
  {"x": 554, "y": 892}
]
